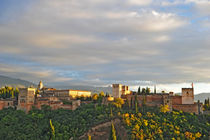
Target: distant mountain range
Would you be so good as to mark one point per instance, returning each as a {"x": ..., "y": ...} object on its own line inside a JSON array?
[
  {"x": 202, "y": 97},
  {"x": 7, "y": 81}
]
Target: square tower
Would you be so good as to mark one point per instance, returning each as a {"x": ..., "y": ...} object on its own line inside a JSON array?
[
  {"x": 187, "y": 95},
  {"x": 26, "y": 98},
  {"x": 116, "y": 90}
]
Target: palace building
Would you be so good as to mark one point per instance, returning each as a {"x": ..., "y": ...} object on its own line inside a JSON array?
[
  {"x": 66, "y": 94},
  {"x": 37, "y": 97},
  {"x": 28, "y": 99},
  {"x": 184, "y": 102},
  {"x": 118, "y": 90}
]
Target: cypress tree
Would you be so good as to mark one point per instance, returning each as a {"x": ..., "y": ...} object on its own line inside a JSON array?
[
  {"x": 111, "y": 114},
  {"x": 139, "y": 90},
  {"x": 131, "y": 102},
  {"x": 52, "y": 130},
  {"x": 136, "y": 104},
  {"x": 112, "y": 133},
  {"x": 89, "y": 136}
]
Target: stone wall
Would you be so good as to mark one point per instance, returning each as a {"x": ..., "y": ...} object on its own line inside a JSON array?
[
  {"x": 6, "y": 104},
  {"x": 150, "y": 100},
  {"x": 190, "y": 108},
  {"x": 176, "y": 100}
]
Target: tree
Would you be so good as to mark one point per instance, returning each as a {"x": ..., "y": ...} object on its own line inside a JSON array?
[
  {"x": 143, "y": 91},
  {"x": 95, "y": 97},
  {"x": 164, "y": 108},
  {"x": 139, "y": 90},
  {"x": 89, "y": 136},
  {"x": 52, "y": 130},
  {"x": 143, "y": 103},
  {"x": 206, "y": 105},
  {"x": 147, "y": 90},
  {"x": 101, "y": 94},
  {"x": 155, "y": 91},
  {"x": 127, "y": 105},
  {"x": 118, "y": 102},
  {"x": 111, "y": 114},
  {"x": 131, "y": 104},
  {"x": 136, "y": 104},
  {"x": 112, "y": 133},
  {"x": 45, "y": 107}
]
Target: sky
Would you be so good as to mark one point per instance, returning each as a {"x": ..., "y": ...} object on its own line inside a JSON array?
[{"x": 100, "y": 42}]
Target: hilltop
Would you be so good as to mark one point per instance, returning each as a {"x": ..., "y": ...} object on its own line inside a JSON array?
[{"x": 8, "y": 81}]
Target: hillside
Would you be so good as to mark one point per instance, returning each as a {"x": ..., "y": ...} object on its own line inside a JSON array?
[
  {"x": 8, "y": 81},
  {"x": 202, "y": 96}
]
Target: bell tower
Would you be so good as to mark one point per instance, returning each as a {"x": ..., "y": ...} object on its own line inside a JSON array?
[{"x": 40, "y": 86}]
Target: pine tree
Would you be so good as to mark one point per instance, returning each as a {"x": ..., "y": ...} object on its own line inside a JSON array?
[{"x": 113, "y": 133}]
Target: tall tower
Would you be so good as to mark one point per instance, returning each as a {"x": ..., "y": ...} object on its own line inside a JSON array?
[
  {"x": 188, "y": 95},
  {"x": 26, "y": 98},
  {"x": 40, "y": 86},
  {"x": 116, "y": 90}
]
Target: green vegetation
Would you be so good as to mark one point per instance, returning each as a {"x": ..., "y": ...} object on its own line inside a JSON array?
[
  {"x": 64, "y": 124},
  {"x": 66, "y": 102},
  {"x": 141, "y": 122},
  {"x": 206, "y": 105},
  {"x": 113, "y": 133},
  {"x": 175, "y": 125},
  {"x": 8, "y": 92}
]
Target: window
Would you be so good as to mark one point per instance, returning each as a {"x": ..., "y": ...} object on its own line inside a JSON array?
[{"x": 22, "y": 101}]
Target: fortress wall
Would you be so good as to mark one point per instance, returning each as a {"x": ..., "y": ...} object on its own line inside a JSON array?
[
  {"x": 176, "y": 100},
  {"x": 190, "y": 108},
  {"x": 151, "y": 100}
]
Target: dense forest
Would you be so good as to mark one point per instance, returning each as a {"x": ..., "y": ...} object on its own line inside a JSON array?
[
  {"x": 141, "y": 122},
  {"x": 16, "y": 124},
  {"x": 150, "y": 123}
]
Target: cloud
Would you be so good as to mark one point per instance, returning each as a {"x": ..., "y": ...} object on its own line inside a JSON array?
[
  {"x": 33, "y": 74},
  {"x": 162, "y": 38},
  {"x": 140, "y": 2},
  {"x": 172, "y": 3},
  {"x": 98, "y": 42},
  {"x": 201, "y": 5}
]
